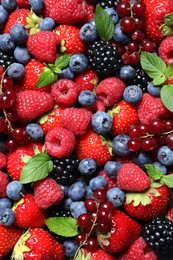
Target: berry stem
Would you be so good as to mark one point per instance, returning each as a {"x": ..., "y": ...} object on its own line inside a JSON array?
[{"x": 7, "y": 120}]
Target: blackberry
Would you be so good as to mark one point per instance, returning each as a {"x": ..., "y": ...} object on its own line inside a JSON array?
[
  {"x": 108, "y": 3},
  {"x": 58, "y": 211},
  {"x": 104, "y": 58},
  {"x": 65, "y": 170},
  {"x": 6, "y": 59},
  {"x": 159, "y": 234}
]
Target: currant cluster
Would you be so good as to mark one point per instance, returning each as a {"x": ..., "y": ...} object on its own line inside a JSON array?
[
  {"x": 133, "y": 24},
  {"x": 148, "y": 137}
]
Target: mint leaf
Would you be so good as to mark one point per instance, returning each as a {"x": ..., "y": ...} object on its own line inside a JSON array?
[
  {"x": 104, "y": 24},
  {"x": 36, "y": 168},
  {"x": 46, "y": 77},
  {"x": 62, "y": 61},
  {"x": 63, "y": 226},
  {"x": 169, "y": 71},
  {"x": 153, "y": 65},
  {"x": 166, "y": 95},
  {"x": 159, "y": 80},
  {"x": 153, "y": 172},
  {"x": 167, "y": 180}
]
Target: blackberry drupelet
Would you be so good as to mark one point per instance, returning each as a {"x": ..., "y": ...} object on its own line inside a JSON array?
[
  {"x": 104, "y": 58},
  {"x": 108, "y": 3},
  {"x": 58, "y": 211},
  {"x": 159, "y": 234},
  {"x": 6, "y": 59},
  {"x": 65, "y": 170}
]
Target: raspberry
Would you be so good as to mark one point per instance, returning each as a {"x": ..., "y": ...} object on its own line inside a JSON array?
[
  {"x": 110, "y": 90},
  {"x": 64, "y": 92},
  {"x": 165, "y": 50},
  {"x": 3, "y": 161},
  {"x": 3, "y": 184},
  {"x": 47, "y": 193},
  {"x": 76, "y": 120},
  {"x": 60, "y": 142}
]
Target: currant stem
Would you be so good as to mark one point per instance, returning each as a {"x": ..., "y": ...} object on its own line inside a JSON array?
[{"x": 7, "y": 120}]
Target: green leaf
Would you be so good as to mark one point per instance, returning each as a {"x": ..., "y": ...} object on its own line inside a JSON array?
[
  {"x": 62, "y": 61},
  {"x": 166, "y": 95},
  {"x": 26, "y": 158},
  {"x": 37, "y": 168},
  {"x": 167, "y": 180},
  {"x": 57, "y": 70},
  {"x": 159, "y": 80},
  {"x": 46, "y": 77},
  {"x": 169, "y": 71},
  {"x": 104, "y": 24},
  {"x": 63, "y": 226},
  {"x": 152, "y": 65},
  {"x": 153, "y": 172}
]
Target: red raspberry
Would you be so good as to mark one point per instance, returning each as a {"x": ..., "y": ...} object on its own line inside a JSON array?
[
  {"x": 165, "y": 50},
  {"x": 3, "y": 161},
  {"x": 3, "y": 184},
  {"x": 86, "y": 80},
  {"x": 47, "y": 193},
  {"x": 60, "y": 142},
  {"x": 111, "y": 182},
  {"x": 110, "y": 90},
  {"x": 65, "y": 92},
  {"x": 76, "y": 120}
]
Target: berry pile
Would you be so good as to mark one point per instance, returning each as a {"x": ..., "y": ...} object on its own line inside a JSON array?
[{"x": 86, "y": 129}]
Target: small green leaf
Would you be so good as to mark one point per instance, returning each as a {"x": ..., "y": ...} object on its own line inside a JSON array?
[
  {"x": 62, "y": 61},
  {"x": 57, "y": 70},
  {"x": 47, "y": 77},
  {"x": 104, "y": 24},
  {"x": 169, "y": 71},
  {"x": 167, "y": 96},
  {"x": 26, "y": 158},
  {"x": 159, "y": 80},
  {"x": 153, "y": 172},
  {"x": 167, "y": 180},
  {"x": 153, "y": 65},
  {"x": 37, "y": 168},
  {"x": 63, "y": 226}
]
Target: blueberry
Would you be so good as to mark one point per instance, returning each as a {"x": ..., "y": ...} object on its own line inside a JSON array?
[
  {"x": 9, "y": 5},
  {"x": 34, "y": 131},
  {"x": 86, "y": 98},
  {"x": 47, "y": 24},
  {"x": 18, "y": 34},
  {"x": 77, "y": 208},
  {"x": 6, "y": 43},
  {"x": 101, "y": 123},
  {"x": 165, "y": 155},
  {"x": 92, "y": 21},
  {"x": 65, "y": 190},
  {"x": 66, "y": 203},
  {"x": 120, "y": 36},
  {"x": 67, "y": 73},
  {"x": 76, "y": 191},
  {"x": 112, "y": 167},
  {"x": 7, "y": 217},
  {"x": 116, "y": 196},
  {"x": 153, "y": 90},
  {"x": 88, "y": 33},
  {"x": 14, "y": 190},
  {"x": 16, "y": 71},
  {"x": 3, "y": 15},
  {"x": 87, "y": 166},
  {"x": 161, "y": 167},
  {"x": 70, "y": 247},
  {"x": 78, "y": 63},
  {"x": 22, "y": 55},
  {"x": 132, "y": 94},
  {"x": 119, "y": 145},
  {"x": 89, "y": 193},
  {"x": 114, "y": 15},
  {"x": 36, "y": 5},
  {"x": 5, "y": 203},
  {"x": 97, "y": 182},
  {"x": 127, "y": 72},
  {"x": 141, "y": 158}
]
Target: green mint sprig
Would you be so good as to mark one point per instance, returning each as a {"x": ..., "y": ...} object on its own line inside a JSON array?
[{"x": 156, "y": 69}]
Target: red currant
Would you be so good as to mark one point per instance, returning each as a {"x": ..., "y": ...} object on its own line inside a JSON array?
[
  {"x": 149, "y": 143},
  {"x": 128, "y": 24},
  {"x": 3, "y": 125},
  {"x": 91, "y": 205},
  {"x": 138, "y": 9},
  {"x": 84, "y": 221},
  {"x": 92, "y": 244},
  {"x": 156, "y": 126},
  {"x": 133, "y": 47},
  {"x": 168, "y": 125},
  {"x": 137, "y": 36},
  {"x": 103, "y": 216},
  {"x": 104, "y": 228},
  {"x": 100, "y": 194},
  {"x": 169, "y": 140},
  {"x": 147, "y": 45},
  {"x": 80, "y": 238},
  {"x": 134, "y": 144}
]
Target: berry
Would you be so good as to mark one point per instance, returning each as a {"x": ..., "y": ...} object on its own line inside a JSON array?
[
  {"x": 88, "y": 33},
  {"x": 87, "y": 166},
  {"x": 3, "y": 161},
  {"x": 5, "y": 203},
  {"x": 18, "y": 34},
  {"x": 4, "y": 182},
  {"x": 36, "y": 5},
  {"x": 76, "y": 191},
  {"x": 127, "y": 72},
  {"x": 116, "y": 196},
  {"x": 101, "y": 123},
  {"x": 77, "y": 208},
  {"x": 70, "y": 247},
  {"x": 47, "y": 24},
  {"x": 132, "y": 94},
  {"x": 97, "y": 183},
  {"x": 7, "y": 217},
  {"x": 120, "y": 36},
  {"x": 16, "y": 71},
  {"x": 112, "y": 167},
  {"x": 84, "y": 221},
  {"x": 119, "y": 145},
  {"x": 91, "y": 205},
  {"x": 6, "y": 43},
  {"x": 78, "y": 63},
  {"x": 22, "y": 55},
  {"x": 34, "y": 131},
  {"x": 164, "y": 155},
  {"x": 14, "y": 190}
]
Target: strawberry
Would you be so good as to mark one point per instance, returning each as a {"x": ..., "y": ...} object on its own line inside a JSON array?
[
  {"x": 150, "y": 107},
  {"x": 68, "y": 11},
  {"x": 149, "y": 204},
  {"x": 87, "y": 80},
  {"x": 76, "y": 119},
  {"x": 138, "y": 249},
  {"x": 98, "y": 254},
  {"x": 28, "y": 213},
  {"x": 124, "y": 115},
  {"x": 9, "y": 237},
  {"x": 37, "y": 244},
  {"x": 51, "y": 120},
  {"x": 93, "y": 146},
  {"x": 124, "y": 231},
  {"x": 43, "y": 45},
  {"x": 170, "y": 214},
  {"x": 47, "y": 193},
  {"x": 131, "y": 177},
  {"x": 70, "y": 40},
  {"x": 154, "y": 17},
  {"x": 164, "y": 50},
  {"x": 15, "y": 161},
  {"x": 3, "y": 184},
  {"x": 31, "y": 104},
  {"x": 3, "y": 161},
  {"x": 33, "y": 70}
]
